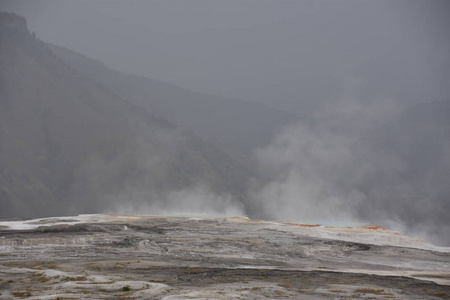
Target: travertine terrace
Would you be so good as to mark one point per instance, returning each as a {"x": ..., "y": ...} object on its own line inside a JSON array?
[{"x": 135, "y": 257}]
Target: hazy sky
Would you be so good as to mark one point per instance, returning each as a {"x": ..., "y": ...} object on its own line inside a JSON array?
[{"x": 288, "y": 53}]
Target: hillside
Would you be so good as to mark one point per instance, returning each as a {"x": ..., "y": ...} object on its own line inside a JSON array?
[
  {"x": 71, "y": 145},
  {"x": 235, "y": 125}
]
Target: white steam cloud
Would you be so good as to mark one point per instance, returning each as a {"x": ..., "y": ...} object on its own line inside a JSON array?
[
  {"x": 307, "y": 183},
  {"x": 144, "y": 179},
  {"x": 346, "y": 168},
  {"x": 198, "y": 200}
]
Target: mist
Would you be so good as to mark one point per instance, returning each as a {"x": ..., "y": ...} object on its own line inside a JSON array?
[
  {"x": 142, "y": 181},
  {"x": 294, "y": 55},
  {"x": 329, "y": 112},
  {"x": 345, "y": 172}
]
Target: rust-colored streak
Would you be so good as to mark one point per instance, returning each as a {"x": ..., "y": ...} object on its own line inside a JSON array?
[
  {"x": 374, "y": 227},
  {"x": 304, "y": 225}
]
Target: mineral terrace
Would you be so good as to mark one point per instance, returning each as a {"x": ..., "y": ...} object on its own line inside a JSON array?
[{"x": 125, "y": 257}]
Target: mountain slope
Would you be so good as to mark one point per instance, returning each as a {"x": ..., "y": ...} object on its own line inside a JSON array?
[
  {"x": 235, "y": 125},
  {"x": 70, "y": 145}
]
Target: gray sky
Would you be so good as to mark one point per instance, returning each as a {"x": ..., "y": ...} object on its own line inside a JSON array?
[{"x": 292, "y": 54}]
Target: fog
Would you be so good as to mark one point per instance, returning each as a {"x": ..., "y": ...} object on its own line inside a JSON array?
[
  {"x": 141, "y": 181},
  {"x": 323, "y": 174},
  {"x": 290, "y": 54},
  {"x": 353, "y": 73}
]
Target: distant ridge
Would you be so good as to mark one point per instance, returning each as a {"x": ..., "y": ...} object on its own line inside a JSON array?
[
  {"x": 70, "y": 145},
  {"x": 12, "y": 21},
  {"x": 234, "y": 125}
]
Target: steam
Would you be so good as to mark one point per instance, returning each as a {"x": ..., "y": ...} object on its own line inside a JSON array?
[
  {"x": 144, "y": 179},
  {"x": 337, "y": 170},
  {"x": 331, "y": 170},
  {"x": 307, "y": 183},
  {"x": 197, "y": 200}
]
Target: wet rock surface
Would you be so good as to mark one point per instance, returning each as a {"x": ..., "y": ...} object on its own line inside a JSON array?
[{"x": 118, "y": 257}]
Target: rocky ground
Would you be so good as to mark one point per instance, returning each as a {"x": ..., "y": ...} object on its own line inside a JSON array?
[{"x": 123, "y": 257}]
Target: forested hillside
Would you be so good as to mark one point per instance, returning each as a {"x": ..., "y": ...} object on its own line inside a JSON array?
[
  {"x": 234, "y": 125},
  {"x": 70, "y": 145}
]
